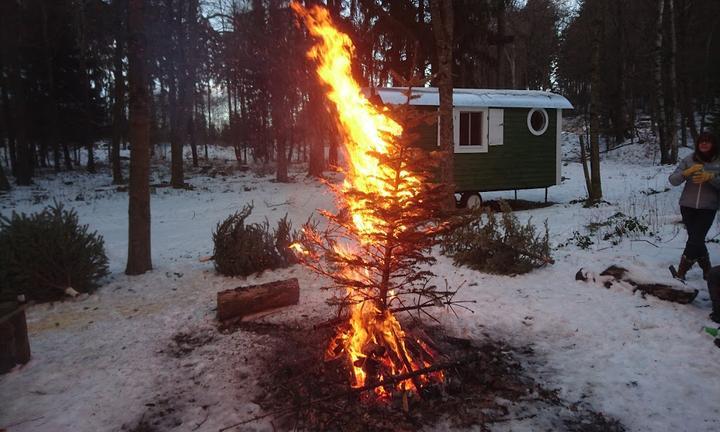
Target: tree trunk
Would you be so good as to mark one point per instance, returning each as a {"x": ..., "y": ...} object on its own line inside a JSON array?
[
  {"x": 442, "y": 23},
  {"x": 4, "y": 184},
  {"x": 52, "y": 134},
  {"x": 85, "y": 133},
  {"x": 9, "y": 121},
  {"x": 209, "y": 120},
  {"x": 178, "y": 119},
  {"x": 119, "y": 103},
  {"x": 23, "y": 164},
  {"x": 659, "y": 87},
  {"x": 66, "y": 156},
  {"x": 583, "y": 161},
  {"x": 670, "y": 113},
  {"x": 139, "y": 257},
  {"x": 316, "y": 164},
  {"x": 191, "y": 76},
  {"x": 595, "y": 195},
  {"x": 500, "y": 48},
  {"x": 685, "y": 97}
]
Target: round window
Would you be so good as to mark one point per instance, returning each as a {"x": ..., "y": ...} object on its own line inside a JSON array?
[{"x": 537, "y": 121}]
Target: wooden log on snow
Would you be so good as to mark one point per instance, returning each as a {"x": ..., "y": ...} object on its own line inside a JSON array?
[
  {"x": 244, "y": 301},
  {"x": 621, "y": 276},
  {"x": 14, "y": 342}
]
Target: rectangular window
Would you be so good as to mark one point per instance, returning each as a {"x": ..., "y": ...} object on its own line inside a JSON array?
[{"x": 471, "y": 128}]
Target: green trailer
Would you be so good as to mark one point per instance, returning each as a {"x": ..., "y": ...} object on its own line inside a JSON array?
[{"x": 504, "y": 139}]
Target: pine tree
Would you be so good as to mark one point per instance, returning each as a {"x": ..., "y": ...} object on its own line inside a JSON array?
[{"x": 385, "y": 259}]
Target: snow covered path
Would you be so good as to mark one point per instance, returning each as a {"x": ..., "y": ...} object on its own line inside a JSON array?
[{"x": 107, "y": 361}]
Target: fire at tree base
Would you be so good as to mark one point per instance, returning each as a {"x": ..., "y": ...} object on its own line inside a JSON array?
[{"x": 489, "y": 383}]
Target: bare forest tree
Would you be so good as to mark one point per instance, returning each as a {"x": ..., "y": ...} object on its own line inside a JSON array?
[
  {"x": 233, "y": 73},
  {"x": 139, "y": 251},
  {"x": 442, "y": 18}
]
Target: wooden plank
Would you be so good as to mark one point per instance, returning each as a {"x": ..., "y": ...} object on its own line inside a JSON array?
[
  {"x": 243, "y": 301},
  {"x": 14, "y": 342}
]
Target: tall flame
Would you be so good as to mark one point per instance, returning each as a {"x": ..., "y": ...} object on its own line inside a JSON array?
[
  {"x": 365, "y": 128},
  {"x": 368, "y": 132}
]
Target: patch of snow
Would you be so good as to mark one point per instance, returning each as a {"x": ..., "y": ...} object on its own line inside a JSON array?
[{"x": 110, "y": 360}]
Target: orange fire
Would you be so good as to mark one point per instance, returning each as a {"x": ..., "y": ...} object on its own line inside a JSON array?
[{"x": 367, "y": 131}]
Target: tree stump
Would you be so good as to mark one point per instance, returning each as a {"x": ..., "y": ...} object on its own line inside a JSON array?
[
  {"x": 243, "y": 301},
  {"x": 14, "y": 343}
]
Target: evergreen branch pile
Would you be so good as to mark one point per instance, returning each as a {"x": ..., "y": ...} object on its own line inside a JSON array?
[
  {"x": 243, "y": 249},
  {"x": 45, "y": 253},
  {"x": 501, "y": 246}
]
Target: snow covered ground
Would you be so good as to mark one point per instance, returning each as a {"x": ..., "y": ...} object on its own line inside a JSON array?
[{"x": 145, "y": 344}]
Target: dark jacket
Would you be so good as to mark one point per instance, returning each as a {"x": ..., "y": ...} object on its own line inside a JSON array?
[{"x": 698, "y": 196}]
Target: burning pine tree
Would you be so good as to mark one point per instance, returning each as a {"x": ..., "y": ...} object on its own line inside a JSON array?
[{"x": 376, "y": 246}]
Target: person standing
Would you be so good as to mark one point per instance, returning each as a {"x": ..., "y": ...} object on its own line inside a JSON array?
[{"x": 698, "y": 202}]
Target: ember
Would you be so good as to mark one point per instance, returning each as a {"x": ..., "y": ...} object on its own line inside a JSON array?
[{"x": 386, "y": 224}]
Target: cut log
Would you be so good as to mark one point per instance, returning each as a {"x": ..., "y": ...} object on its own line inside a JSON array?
[
  {"x": 244, "y": 301},
  {"x": 14, "y": 343}
]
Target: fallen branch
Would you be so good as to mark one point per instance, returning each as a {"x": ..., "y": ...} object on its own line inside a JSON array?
[
  {"x": 342, "y": 319},
  {"x": 268, "y": 205},
  {"x": 646, "y": 241}
]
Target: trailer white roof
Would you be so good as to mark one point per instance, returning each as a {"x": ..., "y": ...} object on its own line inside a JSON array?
[{"x": 463, "y": 97}]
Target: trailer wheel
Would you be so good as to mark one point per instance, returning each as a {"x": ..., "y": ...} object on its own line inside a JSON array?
[{"x": 470, "y": 200}]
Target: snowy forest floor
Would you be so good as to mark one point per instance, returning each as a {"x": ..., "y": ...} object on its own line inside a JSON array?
[{"x": 144, "y": 353}]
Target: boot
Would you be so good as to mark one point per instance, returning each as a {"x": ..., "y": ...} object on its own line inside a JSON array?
[
  {"x": 704, "y": 263},
  {"x": 685, "y": 265}
]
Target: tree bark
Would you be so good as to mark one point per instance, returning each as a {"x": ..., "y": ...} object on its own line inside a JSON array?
[
  {"x": 595, "y": 195},
  {"x": 583, "y": 161},
  {"x": 23, "y": 164},
  {"x": 139, "y": 257},
  {"x": 280, "y": 88},
  {"x": 4, "y": 184},
  {"x": 85, "y": 132},
  {"x": 442, "y": 23},
  {"x": 191, "y": 76},
  {"x": 178, "y": 119},
  {"x": 210, "y": 126},
  {"x": 659, "y": 87},
  {"x": 316, "y": 165},
  {"x": 119, "y": 102},
  {"x": 243, "y": 301},
  {"x": 500, "y": 47},
  {"x": 670, "y": 113},
  {"x": 52, "y": 135},
  {"x": 8, "y": 120}
]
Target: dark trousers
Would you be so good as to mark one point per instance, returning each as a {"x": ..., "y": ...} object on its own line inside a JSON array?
[
  {"x": 713, "y": 282},
  {"x": 697, "y": 223}
]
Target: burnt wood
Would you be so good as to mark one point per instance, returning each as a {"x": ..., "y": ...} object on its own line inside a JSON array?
[{"x": 242, "y": 301}]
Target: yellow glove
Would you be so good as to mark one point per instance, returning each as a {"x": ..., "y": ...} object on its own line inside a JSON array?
[
  {"x": 692, "y": 170},
  {"x": 702, "y": 177}
]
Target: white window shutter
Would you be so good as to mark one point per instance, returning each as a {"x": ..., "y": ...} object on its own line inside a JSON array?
[
  {"x": 456, "y": 128},
  {"x": 495, "y": 126}
]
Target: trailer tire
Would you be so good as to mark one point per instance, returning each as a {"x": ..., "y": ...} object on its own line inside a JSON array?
[{"x": 470, "y": 200}]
